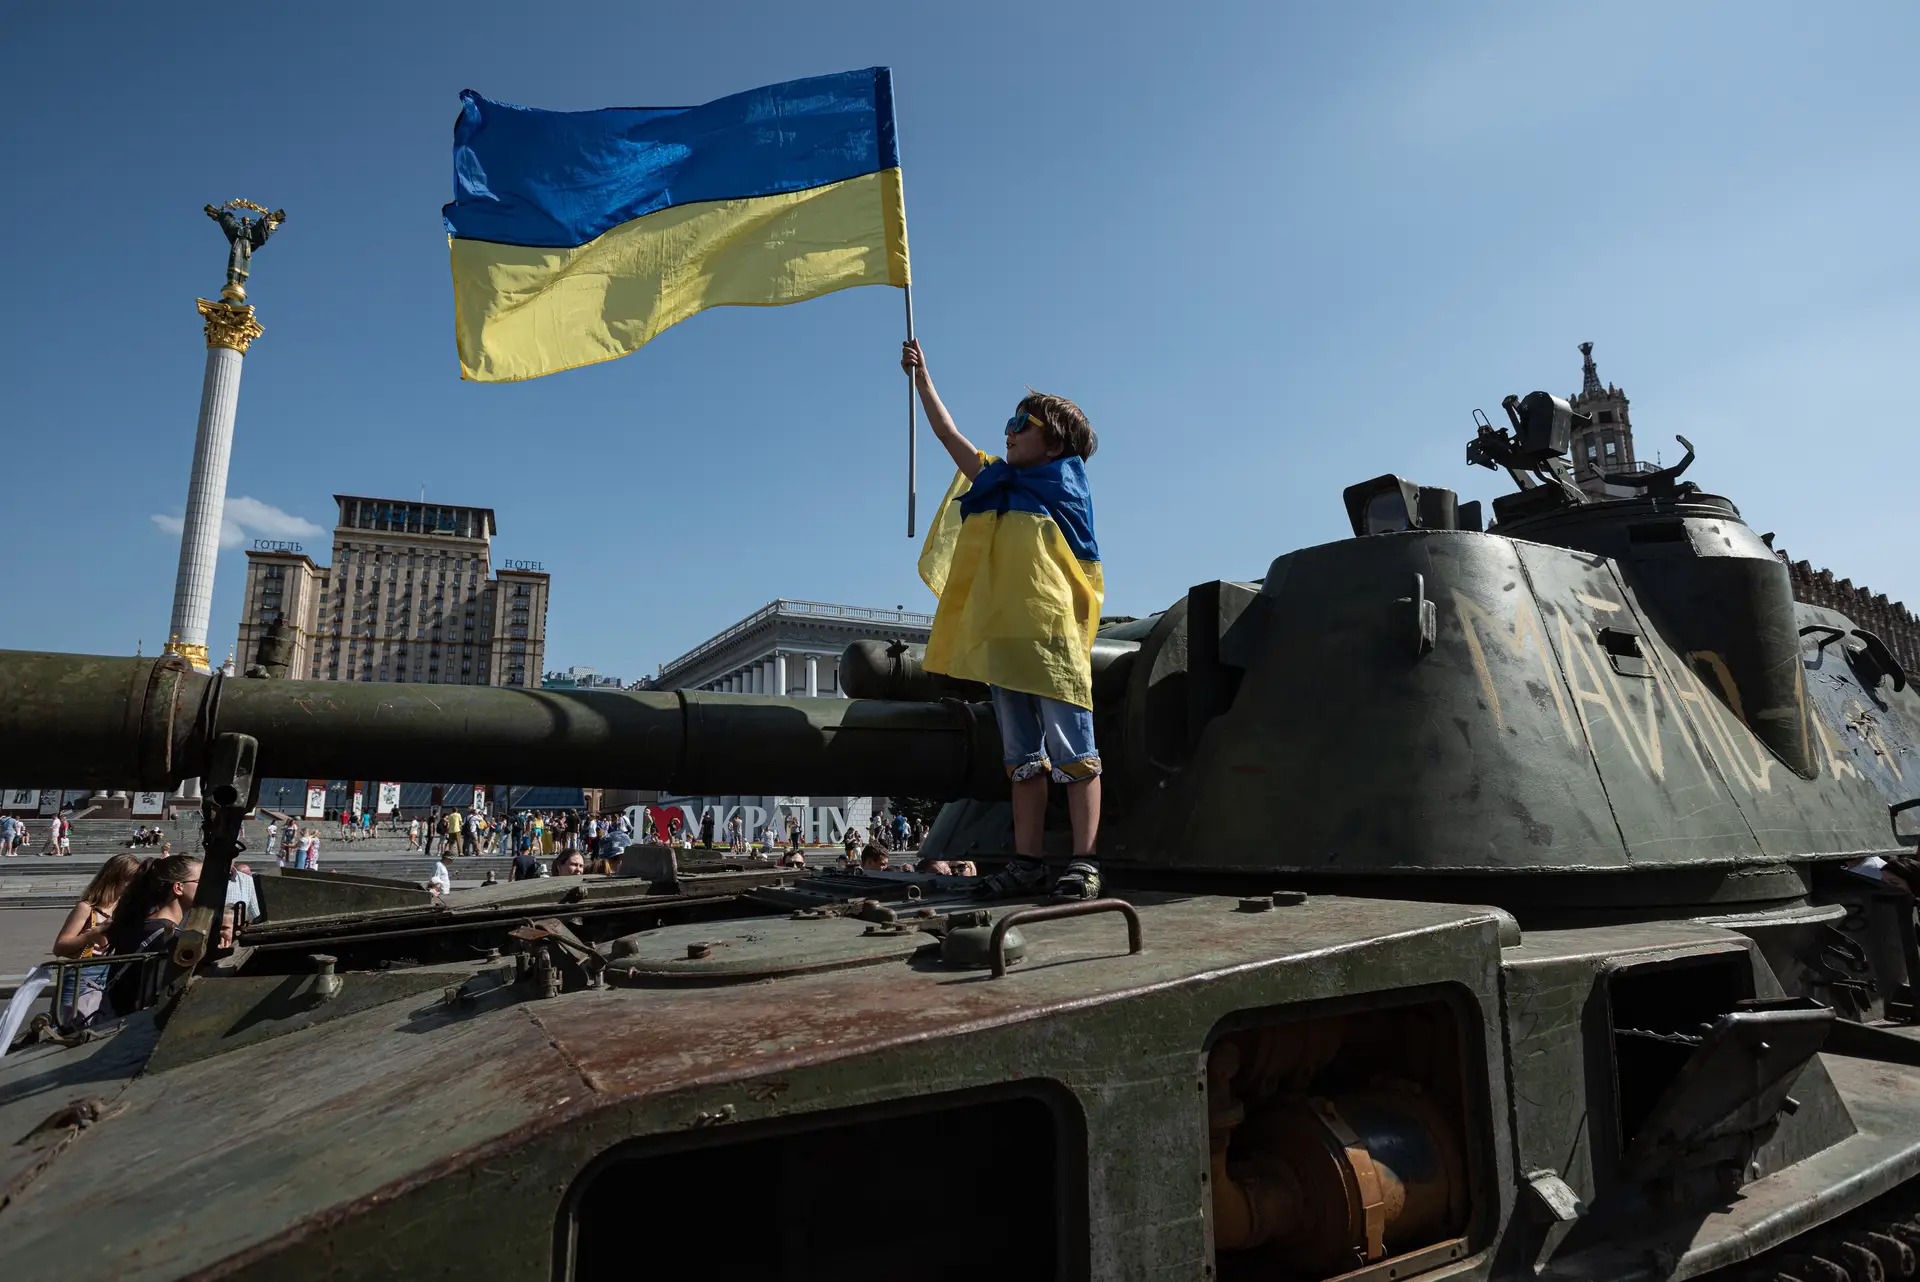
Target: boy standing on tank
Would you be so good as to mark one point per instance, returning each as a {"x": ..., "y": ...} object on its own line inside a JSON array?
[{"x": 1012, "y": 557}]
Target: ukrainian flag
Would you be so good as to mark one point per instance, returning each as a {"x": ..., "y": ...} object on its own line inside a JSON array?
[
  {"x": 1014, "y": 561},
  {"x": 578, "y": 236}
]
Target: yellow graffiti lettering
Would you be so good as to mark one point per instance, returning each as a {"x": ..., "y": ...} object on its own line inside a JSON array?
[
  {"x": 1647, "y": 733},
  {"x": 1711, "y": 714},
  {"x": 1597, "y": 695},
  {"x": 1836, "y": 759},
  {"x": 1663, "y": 682},
  {"x": 1526, "y": 633},
  {"x": 1723, "y": 677}
]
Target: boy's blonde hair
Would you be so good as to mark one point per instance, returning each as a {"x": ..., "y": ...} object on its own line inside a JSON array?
[{"x": 1063, "y": 424}]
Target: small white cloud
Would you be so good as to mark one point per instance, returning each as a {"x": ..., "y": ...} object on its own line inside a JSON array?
[
  {"x": 248, "y": 518},
  {"x": 265, "y": 521}
]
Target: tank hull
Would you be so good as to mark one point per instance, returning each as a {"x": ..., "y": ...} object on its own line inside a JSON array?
[{"x": 504, "y": 1134}]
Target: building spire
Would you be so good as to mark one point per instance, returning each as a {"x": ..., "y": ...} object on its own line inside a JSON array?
[{"x": 1590, "y": 377}]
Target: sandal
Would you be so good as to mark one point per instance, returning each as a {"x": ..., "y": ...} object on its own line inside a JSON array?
[
  {"x": 1021, "y": 876},
  {"x": 1081, "y": 880}
]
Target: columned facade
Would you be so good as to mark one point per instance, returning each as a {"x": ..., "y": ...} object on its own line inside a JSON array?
[{"x": 788, "y": 649}]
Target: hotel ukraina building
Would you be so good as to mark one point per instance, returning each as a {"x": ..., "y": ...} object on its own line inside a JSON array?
[{"x": 412, "y": 595}]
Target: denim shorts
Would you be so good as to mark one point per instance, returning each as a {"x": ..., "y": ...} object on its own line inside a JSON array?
[{"x": 1038, "y": 733}]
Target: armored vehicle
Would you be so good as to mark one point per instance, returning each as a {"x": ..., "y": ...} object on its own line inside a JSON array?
[{"x": 1517, "y": 902}]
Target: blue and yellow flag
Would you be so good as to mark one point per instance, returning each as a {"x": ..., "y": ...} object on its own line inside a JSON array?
[
  {"x": 1014, "y": 562},
  {"x": 578, "y": 236}
]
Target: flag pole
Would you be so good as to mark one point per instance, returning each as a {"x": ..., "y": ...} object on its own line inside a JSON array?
[{"x": 913, "y": 422}]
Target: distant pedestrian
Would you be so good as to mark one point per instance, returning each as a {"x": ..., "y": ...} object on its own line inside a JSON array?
[
  {"x": 525, "y": 867},
  {"x": 442, "y": 880},
  {"x": 413, "y": 833}
]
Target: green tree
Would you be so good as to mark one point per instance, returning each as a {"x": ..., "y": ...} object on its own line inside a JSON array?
[{"x": 918, "y": 809}]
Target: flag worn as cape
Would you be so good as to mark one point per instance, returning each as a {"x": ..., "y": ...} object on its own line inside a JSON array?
[
  {"x": 577, "y": 236},
  {"x": 1014, "y": 562}
]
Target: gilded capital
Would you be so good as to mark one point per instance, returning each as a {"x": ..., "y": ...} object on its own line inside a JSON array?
[
  {"x": 230, "y": 325},
  {"x": 195, "y": 655}
]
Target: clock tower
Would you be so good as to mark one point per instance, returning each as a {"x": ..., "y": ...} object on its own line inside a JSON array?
[{"x": 1606, "y": 447}]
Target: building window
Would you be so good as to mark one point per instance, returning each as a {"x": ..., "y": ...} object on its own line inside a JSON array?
[
  {"x": 1606, "y": 416},
  {"x": 1611, "y": 450}
]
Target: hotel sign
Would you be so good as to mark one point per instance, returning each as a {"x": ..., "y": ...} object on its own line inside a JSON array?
[
  {"x": 524, "y": 565},
  {"x": 405, "y": 514},
  {"x": 276, "y": 545}
]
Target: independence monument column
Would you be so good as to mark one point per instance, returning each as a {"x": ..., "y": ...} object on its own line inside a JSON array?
[{"x": 230, "y": 329}]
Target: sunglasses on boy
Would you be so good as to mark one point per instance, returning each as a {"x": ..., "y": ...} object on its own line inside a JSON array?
[{"x": 1021, "y": 422}]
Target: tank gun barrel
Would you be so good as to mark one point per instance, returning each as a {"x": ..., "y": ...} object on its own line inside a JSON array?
[{"x": 95, "y": 721}]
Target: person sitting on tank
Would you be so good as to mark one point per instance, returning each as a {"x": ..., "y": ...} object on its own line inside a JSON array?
[
  {"x": 873, "y": 858},
  {"x": 1012, "y": 557},
  {"x": 569, "y": 863},
  {"x": 144, "y": 921},
  {"x": 938, "y": 867},
  {"x": 84, "y": 934}
]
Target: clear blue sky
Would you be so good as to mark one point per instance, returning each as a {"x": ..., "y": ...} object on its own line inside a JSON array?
[{"x": 1272, "y": 249}]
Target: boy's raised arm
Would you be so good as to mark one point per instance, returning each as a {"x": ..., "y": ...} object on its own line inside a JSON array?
[{"x": 965, "y": 456}]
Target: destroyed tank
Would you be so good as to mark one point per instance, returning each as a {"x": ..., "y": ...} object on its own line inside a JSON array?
[{"x": 1504, "y": 903}]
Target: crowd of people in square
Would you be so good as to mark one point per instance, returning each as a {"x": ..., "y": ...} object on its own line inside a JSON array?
[
  {"x": 134, "y": 904},
  {"x": 16, "y": 838}
]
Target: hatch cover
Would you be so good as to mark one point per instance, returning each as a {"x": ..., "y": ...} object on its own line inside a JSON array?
[{"x": 739, "y": 951}]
